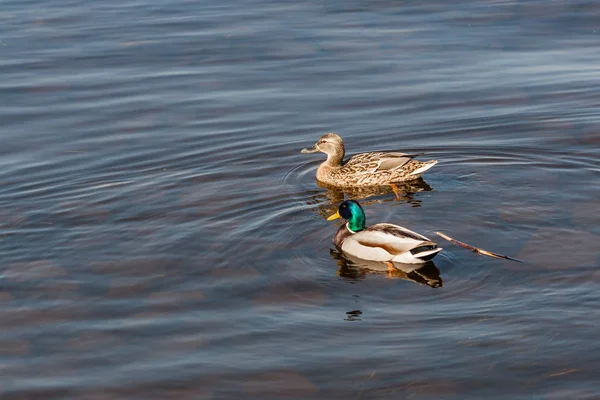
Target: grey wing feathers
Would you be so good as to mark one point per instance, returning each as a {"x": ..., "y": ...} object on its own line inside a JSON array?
[
  {"x": 393, "y": 163},
  {"x": 399, "y": 232},
  {"x": 378, "y": 235},
  {"x": 398, "y": 154},
  {"x": 381, "y": 161}
]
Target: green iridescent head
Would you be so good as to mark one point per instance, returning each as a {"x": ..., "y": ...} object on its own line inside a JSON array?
[{"x": 352, "y": 212}]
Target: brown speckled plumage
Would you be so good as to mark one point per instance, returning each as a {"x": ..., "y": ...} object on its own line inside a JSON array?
[{"x": 364, "y": 169}]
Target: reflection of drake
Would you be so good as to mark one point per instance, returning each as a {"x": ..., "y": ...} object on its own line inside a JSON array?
[
  {"x": 380, "y": 242},
  {"x": 354, "y": 268}
]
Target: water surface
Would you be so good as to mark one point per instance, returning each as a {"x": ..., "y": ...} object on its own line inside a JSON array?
[{"x": 163, "y": 237}]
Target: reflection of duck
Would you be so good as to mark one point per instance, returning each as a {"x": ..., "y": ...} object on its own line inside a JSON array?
[
  {"x": 365, "y": 169},
  {"x": 404, "y": 191},
  {"x": 380, "y": 242},
  {"x": 354, "y": 268},
  {"x": 333, "y": 195}
]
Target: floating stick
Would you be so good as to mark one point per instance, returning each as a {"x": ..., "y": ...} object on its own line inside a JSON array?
[{"x": 476, "y": 249}]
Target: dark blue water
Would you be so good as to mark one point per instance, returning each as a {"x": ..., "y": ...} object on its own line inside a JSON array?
[{"x": 161, "y": 236}]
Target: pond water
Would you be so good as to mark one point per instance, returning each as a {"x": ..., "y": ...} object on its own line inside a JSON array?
[{"x": 163, "y": 237}]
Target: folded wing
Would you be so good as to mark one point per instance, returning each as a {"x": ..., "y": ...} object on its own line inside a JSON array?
[{"x": 379, "y": 161}]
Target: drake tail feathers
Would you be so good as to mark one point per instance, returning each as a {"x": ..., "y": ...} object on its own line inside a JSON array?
[{"x": 425, "y": 253}]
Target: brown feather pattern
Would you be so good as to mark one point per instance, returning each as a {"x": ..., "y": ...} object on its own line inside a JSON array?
[{"x": 364, "y": 169}]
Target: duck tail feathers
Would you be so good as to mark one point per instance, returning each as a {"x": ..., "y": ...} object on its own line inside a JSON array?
[
  {"x": 425, "y": 254},
  {"x": 424, "y": 167}
]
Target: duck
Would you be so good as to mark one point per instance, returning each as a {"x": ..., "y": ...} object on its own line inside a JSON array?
[
  {"x": 365, "y": 169},
  {"x": 382, "y": 242}
]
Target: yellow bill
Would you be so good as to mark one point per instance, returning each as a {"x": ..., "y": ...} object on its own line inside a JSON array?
[{"x": 334, "y": 216}]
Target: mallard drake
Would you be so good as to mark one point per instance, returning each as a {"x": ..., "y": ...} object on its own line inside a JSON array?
[
  {"x": 365, "y": 169},
  {"x": 380, "y": 242}
]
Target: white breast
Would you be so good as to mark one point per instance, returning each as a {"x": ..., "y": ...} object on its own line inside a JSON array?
[{"x": 351, "y": 246}]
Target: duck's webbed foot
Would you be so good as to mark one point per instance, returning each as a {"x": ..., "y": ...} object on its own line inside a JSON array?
[
  {"x": 396, "y": 190},
  {"x": 391, "y": 269}
]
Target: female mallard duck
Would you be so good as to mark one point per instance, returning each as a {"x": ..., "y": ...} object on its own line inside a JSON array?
[
  {"x": 365, "y": 169},
  {"x": 380, "y": 242}
]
